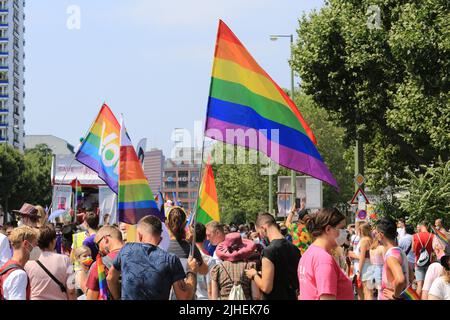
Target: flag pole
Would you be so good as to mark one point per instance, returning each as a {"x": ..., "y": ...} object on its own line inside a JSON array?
[{"x": 194, "y": 218}]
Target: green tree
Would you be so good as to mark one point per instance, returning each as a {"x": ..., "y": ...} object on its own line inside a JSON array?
[
  {"x": 12, "y": 166},
  {"x": 241, "y": 188},
  {"x": 388, "y": 85},
  {"x": 330, "y": 144},
  {"x": 427, "y": 193}
]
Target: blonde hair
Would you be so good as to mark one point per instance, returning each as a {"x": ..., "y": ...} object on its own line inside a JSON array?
[
  {"x": 20, "y": 234},
  {"x": 78, "y": 252},
  {"x": 42, "y": 216}
]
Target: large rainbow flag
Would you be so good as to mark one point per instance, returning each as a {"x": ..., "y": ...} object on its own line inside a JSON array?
[
  {"x": 207, "y": 205},
  {"x": 136, "y": 199},
  {"x": 100, "y": 149},
  {"x": 243, "y": 96}
]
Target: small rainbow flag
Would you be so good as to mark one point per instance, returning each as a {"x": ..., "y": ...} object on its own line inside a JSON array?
[
  {"x": 136, "y": 199},
  {"x": 441, "y": 236},
  {"x": 100, "y": 149},
  {"x": 245, "y": 101},
  {"x": 78, "y": 191},
  {"x": 410, "y": 294},
  {"x": 208, "y": 206},
  {"x": 103, "y": 286}
]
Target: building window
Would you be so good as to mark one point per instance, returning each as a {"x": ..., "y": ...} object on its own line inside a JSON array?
[
  {"x": 182, "y": 184},
  {"x": 170, "y": 185},
  {"x": 183, "y": 174},
  {"x": 183, "y": 195},
  {"x": 194, "y": 195},
  {"x": 193, "y": 184},
  {"x": 170, "y": 174}
]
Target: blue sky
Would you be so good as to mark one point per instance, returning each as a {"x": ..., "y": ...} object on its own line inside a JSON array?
[{"x": 148, "y": 59}]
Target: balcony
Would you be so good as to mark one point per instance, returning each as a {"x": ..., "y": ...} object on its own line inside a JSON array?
[
  {"x": 4, "y": 68},
  {"x": 2, "y": 139},
  {"x": 4, "y": 53},
  {"x": 4, "y": 10},
  {"x": 4, "y": 96},
  {"x": 3, "y": 25},
  {"x": 3, "y": 124},
  {"x": 4, "y": 110},
  {"x": 3, "y": 81}
]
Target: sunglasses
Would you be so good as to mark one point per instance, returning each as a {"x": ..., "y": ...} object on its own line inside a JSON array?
[{"x": 97, "y": 244}]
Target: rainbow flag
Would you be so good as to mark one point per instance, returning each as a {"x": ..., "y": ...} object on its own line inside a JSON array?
[
  {"x": 78, "y": 191},
  {"x": 207, "y": 205},
  {"x": 410, "y": 294},
  {"x": 441, "y": 235},
  {"x": 100, "y": 149},
  {"x": 136, "y": 199},
  {"x": 243, "y": 98},
  {"x": 102, "y": 284}
]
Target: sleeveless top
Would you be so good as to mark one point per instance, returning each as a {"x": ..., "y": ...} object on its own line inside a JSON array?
[
  {"x": 398, "y": 254},
  {"x": 376, "y": 257}
]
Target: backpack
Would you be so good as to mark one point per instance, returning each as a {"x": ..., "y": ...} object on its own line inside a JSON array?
[
  {"x": 424, "y": 257},
  {"x": 6, "y": 271},
  {"x": 236, "y": 293}
]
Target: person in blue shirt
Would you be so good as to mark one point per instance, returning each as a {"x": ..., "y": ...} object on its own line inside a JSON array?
[{"x": 148, "y": 272}]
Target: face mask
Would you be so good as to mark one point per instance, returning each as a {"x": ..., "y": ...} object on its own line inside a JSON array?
[
  {"x": 87, "y": 262},
  {"x": 20, "y": 223},
  {"x": 257, "y": 241},
  {"x": 340, "y": 240},
  {"x": 35, "y": 253},
  {"x": 438, "y": 228}
]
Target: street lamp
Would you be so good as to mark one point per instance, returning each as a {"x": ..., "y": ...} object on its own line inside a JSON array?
[{"x": 293, "y": 174}]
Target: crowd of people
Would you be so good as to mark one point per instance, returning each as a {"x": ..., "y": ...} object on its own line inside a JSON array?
[{"x": 308, "y": 256}]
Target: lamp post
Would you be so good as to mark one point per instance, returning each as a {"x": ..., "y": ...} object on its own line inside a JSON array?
[{"x": 293, "y": 174}]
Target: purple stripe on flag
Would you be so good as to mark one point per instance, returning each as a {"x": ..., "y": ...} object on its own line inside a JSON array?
[
  {"x": 132, "y": 216},
  {"x": 287, "y": 157},
  {"x": 93, "y": 164}
]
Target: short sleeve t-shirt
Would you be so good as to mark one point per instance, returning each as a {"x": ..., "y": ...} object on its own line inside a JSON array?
[
  {"x": 5, "y": 250},
  {"x": 319, "y": 274},
  {"x": 182, "y": 250},
  {"x": 148, "y": 272},
  {"x": 405, "y": 244},
  {"x": 15, "y": 286},
  {"x": 434, "y": 271},
  {"x": 300, "y": 236},
  {"x": 42, "y": 286},
  {"x": 440, "y": 289},
  {"x": 92, "y": 280},
  {"x": 285, "y": 257}
]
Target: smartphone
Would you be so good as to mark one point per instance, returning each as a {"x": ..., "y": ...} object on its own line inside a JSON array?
[{"x": 297, "y": 203}]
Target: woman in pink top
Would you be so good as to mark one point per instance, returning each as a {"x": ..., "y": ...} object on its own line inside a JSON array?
[
  {"x": 320, "y": 277},
  {"x": 43, "y": 287},
  {"x": 395, "y": 278}
]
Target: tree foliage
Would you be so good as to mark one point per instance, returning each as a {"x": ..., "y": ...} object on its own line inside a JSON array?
[
  {"x": 25, "y": 177},
  {"x": 427, "y": 194},
  {"x": 388, "y": 85}
]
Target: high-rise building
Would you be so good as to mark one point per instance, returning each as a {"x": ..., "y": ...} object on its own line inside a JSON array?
[
  {"x": 12, "y": 70},
  {"x": 153, "y": 169}
]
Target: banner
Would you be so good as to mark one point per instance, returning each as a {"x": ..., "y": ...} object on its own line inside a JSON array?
[
  {"x": 62, "y": 198},
  {"x": 107, "y": 201}
]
